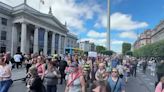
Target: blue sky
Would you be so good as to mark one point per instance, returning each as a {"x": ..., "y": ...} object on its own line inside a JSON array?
[
  {"x": 132, "y": 17},
  {"x": 88, "y": 18}
]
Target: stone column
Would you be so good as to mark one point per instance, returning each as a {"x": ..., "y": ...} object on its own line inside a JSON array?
[
  {"x": 23, "y": 37},
  {"x": 35, "y": 47},
  {"x": 14, "y": 40},
  {"x": 53, "y": 44},
  {"x": 65, "y": 41},
  {"x": 59, "y": 45},
  {"x": 45, "y": 42}
]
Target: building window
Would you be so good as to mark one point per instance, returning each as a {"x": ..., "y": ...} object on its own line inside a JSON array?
[
  {"x": 4, "y": 21},
  {"x": 3, "y": 35},
  {"x": 2, "y": 49}
]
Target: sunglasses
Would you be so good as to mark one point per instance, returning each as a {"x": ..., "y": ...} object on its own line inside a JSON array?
[{"x": 114, "y": 71}]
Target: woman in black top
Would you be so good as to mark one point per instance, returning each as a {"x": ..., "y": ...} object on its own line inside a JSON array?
[{"x": 35, "y": 82}]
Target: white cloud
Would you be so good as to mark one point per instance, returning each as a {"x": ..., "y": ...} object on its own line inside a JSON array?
[
  {"x": 99, "y": 41},
  {"x": 75, "y": 14},
  {"x": 94, "y": 34},
  {"x": 116, "y": 42},
  {"x": 128, "y": 34},
  {"x": 102, "y": 21},
  {"x": 124, "y": 22}
]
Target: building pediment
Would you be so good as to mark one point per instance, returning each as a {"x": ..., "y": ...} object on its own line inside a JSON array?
[{"x": 24, "y": 8}]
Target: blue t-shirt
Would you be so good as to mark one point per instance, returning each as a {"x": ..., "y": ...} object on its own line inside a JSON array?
[
  {"x": 115, "y": 62},
  {"x": 119, "y": 87}
]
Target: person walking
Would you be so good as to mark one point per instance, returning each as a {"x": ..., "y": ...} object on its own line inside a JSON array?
[
  {"x": 17, "y": 59},
  {"x": 115, "y": 83},
  {"x": 160, "y": 69},
  {"x": 75, "y": 82},
  {"x": 51, "y": 77},
  {"x": 160, "y": 86},
  {"x": 134, "y": 67},
  {"x": 40, "y": 66},
  {"x": 101, "y": 73},
  {"x": 100, "y": 86},
  {"x": 34, "y": 84},
  {"x": 62, "y": 67},
  {"x": 5, "y": 75}
]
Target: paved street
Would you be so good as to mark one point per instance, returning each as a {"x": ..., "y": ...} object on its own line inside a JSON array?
[{"x": 142, "y": 83}]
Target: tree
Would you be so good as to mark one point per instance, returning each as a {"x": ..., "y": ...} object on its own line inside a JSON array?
[
  {"x": 130, "y": 53},
  {"x": 151, "y": 50},
  {"x": 100, "y": 49},
  {"x": 107, "y": 52},
  {"x": 126, "y": 47}
]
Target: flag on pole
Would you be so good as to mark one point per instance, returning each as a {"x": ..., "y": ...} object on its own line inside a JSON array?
[{"x": 42, "y": 1}]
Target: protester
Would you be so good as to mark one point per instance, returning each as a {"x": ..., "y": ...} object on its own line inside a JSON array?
[
  {"x": 40, "y": 66},
  {"x": 127, "y": 70},
  {"x": 101, "y": 72},
  {"x": 5, "y": 75},
  {"x": 51, "y": 77},
  {"x": 160, "y": 69},
  {"x": 114, "y": 62},
  {"x": 134, "y": 67},
  {"x": 34, "y": 84},
  {"x": 144, "y": 65},
  {"x": 17, "y": 59},
  {"x": 120, "y": 68},
  {"x": 62, "y": 67},
  {"x": 28, "y": 62},
  {"x": 100, "y": 86},
  {"x": 115, "y": 83},
  {"x": 76, "y": 82},
  {"x": 160, "y": 86}
]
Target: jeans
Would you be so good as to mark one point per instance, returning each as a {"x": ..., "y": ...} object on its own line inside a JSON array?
[
  {"x": 5, "y": 85},
  {"x": 52, "y": 88}
]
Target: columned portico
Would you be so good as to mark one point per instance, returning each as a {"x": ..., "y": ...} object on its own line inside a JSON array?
[
  {"x": 35, "y": 47},
  {"x": 65, "y": 43},
  {"x": 23, "y": 37},
  {"x": 53, "y": 44},
  {"x": 45, "y": 42},
  {"x": 59, "y": 45},
  {"x": 45, "y": 34},
  {"x": 14, "y": 40}
]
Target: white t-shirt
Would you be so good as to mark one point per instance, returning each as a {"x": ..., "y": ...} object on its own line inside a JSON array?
[
  {"x": 3, "y": 71},
  {"x": 17, "y": 58}
]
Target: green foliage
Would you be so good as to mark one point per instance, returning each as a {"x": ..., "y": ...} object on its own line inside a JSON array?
[
  {"x": 130, "y": 53},
  {"x": 100, "y": 49},
  {"x": 126, "y": 47},
  {"x": 150, "y": 50},
  {"x": 107, "y": 52}
]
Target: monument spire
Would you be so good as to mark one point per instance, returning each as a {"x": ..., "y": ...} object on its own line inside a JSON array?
[
  {"x": 25, "y": 1},
  {"x": 108, "y": 26},
  {"x": 50, "y": 11}
]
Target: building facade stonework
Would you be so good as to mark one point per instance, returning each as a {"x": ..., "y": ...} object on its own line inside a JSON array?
[
  {"x": 24, "y": 29},
  {"x": 158, "y": 33},
  {"x": 87, "y": 46},
  {"x": 143, "y": 39}
]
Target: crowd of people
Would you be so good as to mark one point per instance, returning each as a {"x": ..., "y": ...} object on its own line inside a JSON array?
[{"x": 79, "y": 73}]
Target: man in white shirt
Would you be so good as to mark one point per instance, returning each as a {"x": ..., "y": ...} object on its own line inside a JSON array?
[{"x": 17, "y": 59}]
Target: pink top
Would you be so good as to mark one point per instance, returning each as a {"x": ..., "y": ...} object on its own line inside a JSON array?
[
  {"x": 159, "y": 87},
  {"x": 40, "y": 69}
]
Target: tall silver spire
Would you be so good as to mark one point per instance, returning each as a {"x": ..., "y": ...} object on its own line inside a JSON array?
[{"x": 108, "y": 26}]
